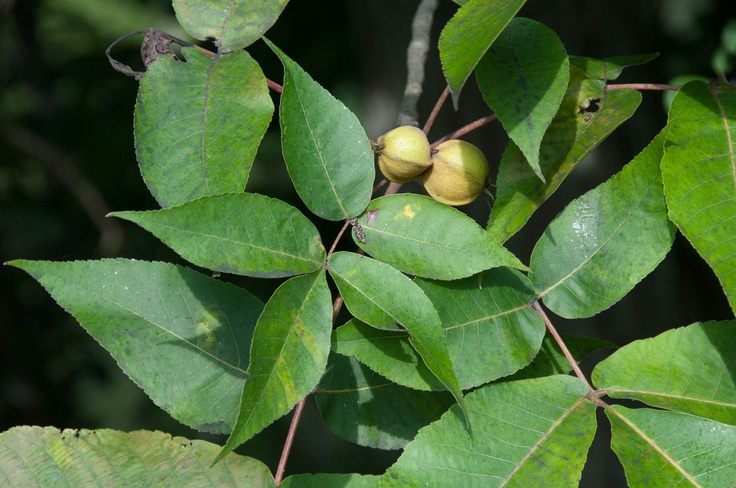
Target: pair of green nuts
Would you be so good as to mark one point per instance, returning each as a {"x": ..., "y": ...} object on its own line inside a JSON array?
[{"x": 453, "y": 173}]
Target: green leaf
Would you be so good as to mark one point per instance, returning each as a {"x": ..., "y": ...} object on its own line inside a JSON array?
[
  {"x": 663, "y": 449},
  {"x": 381, "y": 296},
  {"x": 490, "y": 329},
  {"x": 469, "y": 34},
  {"x": 233, "y": 25},
  {"x": 551, "y": 360},
  {"x": 370, "y": 410},
  {"x": 588, "y": 114},
  {"x": 426, "y": 238},
  {"x": 608, "y": 69},
  {"x": 606, "y": 241},
  {"x": 523, "y": 78},
  {"x": 330, "y": 480},
  {"x": 291, "y": 343},
  {"x": 198, "y": 124},
  {"x": 699, "y": 171},
  {"x": 388, "y": 353},
  {"x": 525, "y": 433},
  {"x": 181, "y": 336},
  {"x": 46, "y": 456},
  {"x": 327, "y": 153},
  {"x": 241, "y": 233},
  {"x": 689, "y": 369}
]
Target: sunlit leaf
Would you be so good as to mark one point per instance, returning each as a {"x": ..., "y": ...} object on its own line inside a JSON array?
[
  {"x": 469, "y": 34},
  {"x": 240, "y": 233},
  {"x": 588, "y": 114},
  {"x": 198, "y": 124},
  {"x": 383, "y": 297},
  {"x": 231, "y": 24},
  {"x": 327, "y": 153},
  {"x": 664, "y": 449},
  {"x": 523, "y": 78},
  {"x": 46, "y": 456},
  {"x": 291, "y": 343},
  {"x": 524, "y": 433},
  {"x": 605, "y": 242},
  {"x": 370, "y": 410},
  {"x": 688, "y": 369},
  {"x": 423, "y": 237},
  {"x": 181, "y": 336},
  {"x": 699, "y": 170}
]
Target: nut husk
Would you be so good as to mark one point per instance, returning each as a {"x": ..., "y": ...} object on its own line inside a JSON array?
[
  {"x": 458, "y": 173},
  {"x": 403, "y": 153}
]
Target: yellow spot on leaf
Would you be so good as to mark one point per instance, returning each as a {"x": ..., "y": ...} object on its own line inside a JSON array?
[{"x": 408, "y": 211}]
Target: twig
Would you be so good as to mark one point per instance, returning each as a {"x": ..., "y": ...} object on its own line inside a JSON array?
[
  {"x": 644, "y": 86},
  {"x": 416, "y": 55},
  {"x": 465, "y": 129},
  {"x": 578, "y": 372},
  {"x": 274, "y": 86},
  {"x": 68, "y": 173},
  {"x": 289, "y": 440},
  {"x": 436, "y": 110}
]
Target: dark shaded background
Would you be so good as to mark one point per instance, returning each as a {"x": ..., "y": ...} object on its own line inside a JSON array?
[{"x": 66, "y": 159}]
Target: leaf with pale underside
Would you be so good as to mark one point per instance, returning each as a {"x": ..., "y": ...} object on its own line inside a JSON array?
[
  {"x": 233, "y": 25},
  {"x": 47, "y": 456}
]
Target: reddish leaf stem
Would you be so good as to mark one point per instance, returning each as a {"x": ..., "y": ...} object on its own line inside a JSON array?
[
  {"x": 436, "y": 110},
  {"x": 337, "y": 239},
  {"x": 643, "y": 86},
  {"x": 289, "y": 440},
  {"x": 274, "y": 86},
  {"x": 467, "y": 128},
  {"x": 578, "y": 372}
]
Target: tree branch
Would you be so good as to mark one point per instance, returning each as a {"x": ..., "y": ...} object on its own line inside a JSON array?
[{"x": 416, "y": 55}]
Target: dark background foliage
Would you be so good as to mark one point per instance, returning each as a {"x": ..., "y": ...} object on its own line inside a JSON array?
[{"x": 67, "y": 158}]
